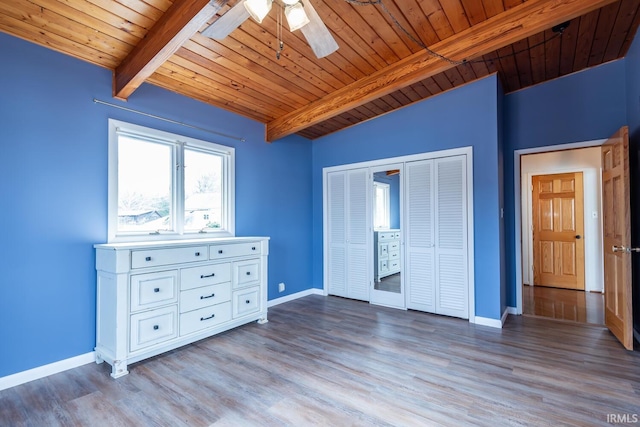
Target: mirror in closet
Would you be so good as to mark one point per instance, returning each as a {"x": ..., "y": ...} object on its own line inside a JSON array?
[{"x": 386, "y": 234}]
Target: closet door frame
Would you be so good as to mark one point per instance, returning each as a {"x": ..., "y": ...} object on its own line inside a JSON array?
[{"x": 468, "y": 151}]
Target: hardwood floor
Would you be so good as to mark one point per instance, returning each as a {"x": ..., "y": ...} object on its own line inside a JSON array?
[
  {"x": 563, "y": 304},
  {"x": 390, "y": 283},
  {"x": 337, "y": 362}
]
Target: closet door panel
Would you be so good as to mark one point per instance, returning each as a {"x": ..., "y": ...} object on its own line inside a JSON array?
[
  {"x": 452, "y": 294},
  {"x": 358, "y": 236},
  {"x": 420, "y": 243},
  {"x": 337, "y": 233}
]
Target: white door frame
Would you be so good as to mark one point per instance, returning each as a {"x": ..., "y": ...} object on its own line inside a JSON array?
[
  {"x": 517, "y": 200},
  {"x": 468, "y": 151}
]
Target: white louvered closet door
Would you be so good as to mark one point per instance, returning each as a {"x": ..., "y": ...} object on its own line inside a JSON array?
[
  {"x": 436, "y": 236},
  {"x": 358, "y": 237},
  {"x": 420, "y": 239},
  {"x": 452, "y": 290},
  {"x": 337, "y": 233}
]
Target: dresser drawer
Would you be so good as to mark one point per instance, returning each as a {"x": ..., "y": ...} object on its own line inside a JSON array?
[
  {"x": 394, "y": 255},
  {"x": 204, "y": 318},
  {"x": 384, "y": 236},
  {"x": 383, "y": 250},
  {"x": 394, "y": 246},
  {"x": 383, "y": 266},
  {"x": 194, "y": 299},
  {"x": 233, "y": 250},
  {"x": 394, "y": 265},
  {"x": 396, "y": 235},
  {"x": 246, "y": 273},
  {"x": 246, "y": 301},
  {"x": 195, "y": 277},
  {"x": 156, "y": 257},
  {"x": 153, "y": 289},
  {"x": 153, "y": 327}
]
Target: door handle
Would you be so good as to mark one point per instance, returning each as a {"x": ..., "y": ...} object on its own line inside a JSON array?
[
  {"x": 578, "y": 237},
  {"x": 624, "y": 249}
]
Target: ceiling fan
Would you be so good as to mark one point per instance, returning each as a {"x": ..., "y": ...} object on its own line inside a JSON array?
[{"x": 300, "y": 15}]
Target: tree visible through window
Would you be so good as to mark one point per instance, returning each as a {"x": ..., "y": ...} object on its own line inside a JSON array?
[{"x": 168, "y": 185}]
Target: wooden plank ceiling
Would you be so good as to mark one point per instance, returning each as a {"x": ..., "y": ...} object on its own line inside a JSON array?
[{"x": 381, "y": 63}]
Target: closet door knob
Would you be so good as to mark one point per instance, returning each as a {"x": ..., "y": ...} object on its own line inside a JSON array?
[
  {"x": 156, "y": 327},
  {"x": 156, "y": 290},
  {"x": 148, "y": 258}
]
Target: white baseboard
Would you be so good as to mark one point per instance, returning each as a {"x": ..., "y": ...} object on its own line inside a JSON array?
[
  {"x": 485, "y": 321},
  {"x": 46, "y": 370},
  {"x": 287, "y": 298},
  {"x": 512, "y": 310}
]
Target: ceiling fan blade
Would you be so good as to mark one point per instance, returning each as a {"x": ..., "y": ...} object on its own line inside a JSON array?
[
  {"x": 317, "y": 34},
  {"x": 228, "y": 22}
]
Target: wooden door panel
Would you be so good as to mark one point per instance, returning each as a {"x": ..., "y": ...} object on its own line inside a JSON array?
[
  {"x": 557, "y": 220},
  {"x": 617, "y": 237}
]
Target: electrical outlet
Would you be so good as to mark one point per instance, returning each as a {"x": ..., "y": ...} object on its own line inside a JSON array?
[{"x": 281, "y": 287}]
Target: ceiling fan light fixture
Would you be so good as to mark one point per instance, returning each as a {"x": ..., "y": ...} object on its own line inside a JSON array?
[
  {"x": 258, "y": 9},
  {"x": 296, "y": 16}
]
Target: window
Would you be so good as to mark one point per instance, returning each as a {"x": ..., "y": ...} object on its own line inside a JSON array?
[
  {"x": 163, "y": 185},
  {"x": 382, "y": 205}
]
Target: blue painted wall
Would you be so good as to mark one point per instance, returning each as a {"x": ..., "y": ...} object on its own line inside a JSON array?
[
  {"x": 462, "y": 117},
  {"x": 579, "y": 107},
  {"x": 53, "y": 184},
  {"x": 632, "y": 68}
]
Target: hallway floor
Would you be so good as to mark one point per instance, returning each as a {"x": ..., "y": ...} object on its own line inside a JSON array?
[{"x": 564, "y": 304}]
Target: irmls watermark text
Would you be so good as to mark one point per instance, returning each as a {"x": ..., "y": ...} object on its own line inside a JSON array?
[{"x": 623, "y": 418}]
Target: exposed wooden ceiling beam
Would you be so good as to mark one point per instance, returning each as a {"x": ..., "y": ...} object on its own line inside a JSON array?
[
  {"x": 177, "y": 25},
  {"x": 522, "y": 21}
]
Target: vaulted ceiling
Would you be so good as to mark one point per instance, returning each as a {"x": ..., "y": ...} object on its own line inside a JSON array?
[{"x": 391, "y": 53}]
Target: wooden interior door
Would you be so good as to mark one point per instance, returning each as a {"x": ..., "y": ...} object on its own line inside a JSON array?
[
  {"x": 558, "y": 230},
  {"x": 617, "y": 237}
]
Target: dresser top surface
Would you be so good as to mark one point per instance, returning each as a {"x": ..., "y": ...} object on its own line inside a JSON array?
[{"x": 178, "y": 242}]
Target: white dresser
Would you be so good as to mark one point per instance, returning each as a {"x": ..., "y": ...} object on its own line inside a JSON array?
[
  {"x": 386, "y": 253},
  {"x": 155, "y": 296}
]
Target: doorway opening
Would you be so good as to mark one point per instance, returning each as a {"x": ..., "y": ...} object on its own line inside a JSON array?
[{"x": 559, "y": 232}]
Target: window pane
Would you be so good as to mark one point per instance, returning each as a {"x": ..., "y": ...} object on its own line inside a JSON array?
[
  {"x": 144, "y": 185},
  {"x": 381, "y": 206},
  {"x": 203, "y": 191}
]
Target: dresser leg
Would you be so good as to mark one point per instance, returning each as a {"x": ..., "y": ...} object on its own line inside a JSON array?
[
  {"x": 263, "y": 320},
  {"x": 119, "y": 369}
]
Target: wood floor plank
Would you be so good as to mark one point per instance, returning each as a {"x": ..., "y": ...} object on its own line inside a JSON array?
[{"x": 338, "y": 362}]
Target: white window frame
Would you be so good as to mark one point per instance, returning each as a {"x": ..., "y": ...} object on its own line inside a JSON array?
[
  {"x": 387, "y": 206},
  {"x": 178, "y": 142}
]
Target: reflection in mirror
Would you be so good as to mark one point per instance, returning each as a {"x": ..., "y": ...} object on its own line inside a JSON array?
[{"x": 386, "y": 222}]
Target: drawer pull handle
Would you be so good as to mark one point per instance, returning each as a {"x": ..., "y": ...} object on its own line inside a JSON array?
[
  {"x": 207, "y": 318},
  {"x": 148, "y": 258},
  {"x": 156, "y": 327},
  {"x": 219, "y": 251},
  {"x": 248, "y": 301},
  {"x": 207, "y": 296},
  {"x": 156, "y": 290},
  {"x": 204, "y": 276},
  {"x": 248, "y": 273},
  {"x": 253, "y": 248},
  {"x": 197, "y": 253}
]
